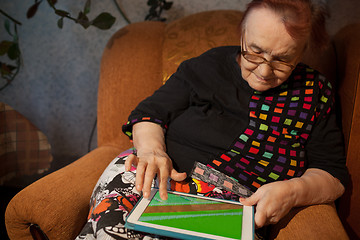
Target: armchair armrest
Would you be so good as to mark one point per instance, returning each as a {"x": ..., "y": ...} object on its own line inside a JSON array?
[
  {"x": 312, "y": 222},
  {"x": 70, "y": 187}
]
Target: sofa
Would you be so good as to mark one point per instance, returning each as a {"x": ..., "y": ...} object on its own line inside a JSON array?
[{"x": 137, "y": 60}]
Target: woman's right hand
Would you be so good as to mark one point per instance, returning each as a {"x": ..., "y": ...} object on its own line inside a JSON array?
[{"x": 151, "y": 159}]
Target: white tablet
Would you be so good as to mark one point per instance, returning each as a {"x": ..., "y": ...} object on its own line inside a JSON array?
[{"x": 188, "y": 216}]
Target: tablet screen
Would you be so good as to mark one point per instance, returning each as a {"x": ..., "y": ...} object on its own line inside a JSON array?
[{"x": 195, "y": 214}]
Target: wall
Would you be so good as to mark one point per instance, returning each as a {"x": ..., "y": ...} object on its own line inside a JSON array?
[{"x": 57, "y": 86}]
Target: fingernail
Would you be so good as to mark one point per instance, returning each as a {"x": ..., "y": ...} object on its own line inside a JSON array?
[{"x": 164, "y": 196}]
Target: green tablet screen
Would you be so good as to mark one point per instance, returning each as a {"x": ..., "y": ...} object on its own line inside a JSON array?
[{"x": 195, "y": 214}]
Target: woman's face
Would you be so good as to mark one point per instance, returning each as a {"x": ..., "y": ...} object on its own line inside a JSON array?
[{"x": 265, "y": 35}]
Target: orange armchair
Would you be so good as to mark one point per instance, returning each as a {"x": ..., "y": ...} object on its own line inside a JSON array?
[{"x": 136, "y": 61}]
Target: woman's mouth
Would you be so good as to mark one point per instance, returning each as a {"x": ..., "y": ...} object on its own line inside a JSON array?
[{"x": 264, "y": 80}]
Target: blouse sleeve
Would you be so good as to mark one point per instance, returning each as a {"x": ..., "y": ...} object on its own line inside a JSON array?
[
  {"x": 325, "y": 148},
  {"x": 165, "y": 104}
]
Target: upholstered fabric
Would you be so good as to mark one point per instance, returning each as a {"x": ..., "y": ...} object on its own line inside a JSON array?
[
  {"x": 135, "y": 62},
  {"x": 347, "y": 44},
  {"x": 24, "y": 149},
  {"x": 59, "y": 202},
  {"x": 192, "y": 36},
  {"x": 125, "y": 81},
  {"x": 312, "y": 222}
]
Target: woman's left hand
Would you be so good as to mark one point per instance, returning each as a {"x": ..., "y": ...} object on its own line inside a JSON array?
[{"x": 273, "y": 201}]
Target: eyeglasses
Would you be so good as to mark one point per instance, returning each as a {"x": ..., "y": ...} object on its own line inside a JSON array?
[{"x": 256, "y": 59}]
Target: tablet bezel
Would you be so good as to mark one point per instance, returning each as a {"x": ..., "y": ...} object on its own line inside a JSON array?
[{"x": 132, "y": 222}]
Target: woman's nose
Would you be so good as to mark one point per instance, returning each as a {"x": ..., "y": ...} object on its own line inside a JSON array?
[{"x": 265, "y": 70}]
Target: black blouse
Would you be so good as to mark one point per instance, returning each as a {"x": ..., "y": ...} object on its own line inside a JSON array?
[{"x": 211, "y": 115}]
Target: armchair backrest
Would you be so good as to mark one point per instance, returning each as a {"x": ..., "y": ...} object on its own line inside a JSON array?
[
  {"x": 193, "y": 35},
  {"x": 130, "y": 70}
]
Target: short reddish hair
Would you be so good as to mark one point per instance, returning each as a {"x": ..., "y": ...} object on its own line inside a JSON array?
[{"x": 301, "y": 19}]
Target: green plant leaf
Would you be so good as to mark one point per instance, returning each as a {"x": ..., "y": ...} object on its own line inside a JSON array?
[
  {"x": 83, "y": 20},
  {"x": 7, "y": 26},
  {"x": 167, "y": 5},
  {"x": 60, "y": 23},
  {"x": 6, "y": 69},
  {"x": 87, "y": 7},
  {"x": 152, "y": 2},
  {"x": 13, "y": 52},
  {"x": 4, "y": 47},
  {"x": 103, "y": 21},
  {"x": 15, "y": 35},
  {"x": 32, "y": 10},
  {"x": 62, "y": 13},
  {"x": 52, "y": 2}
]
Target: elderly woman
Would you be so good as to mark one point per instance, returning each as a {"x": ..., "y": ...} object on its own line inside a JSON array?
[{"x": 254, "y": 116}]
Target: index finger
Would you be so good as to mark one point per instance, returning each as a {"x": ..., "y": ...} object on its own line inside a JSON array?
[
  {"x": 140, "y": 174},
  {"x": 131, "y": 159}
]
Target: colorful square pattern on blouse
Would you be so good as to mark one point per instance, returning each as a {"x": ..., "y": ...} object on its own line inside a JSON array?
[{"x": 271, "y": 148}]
